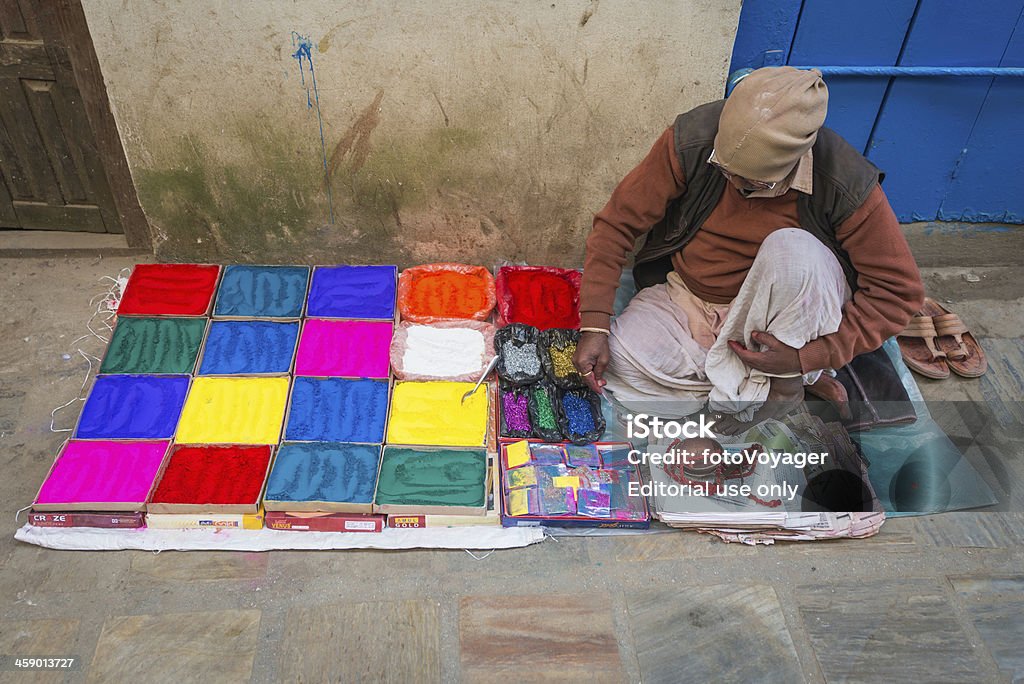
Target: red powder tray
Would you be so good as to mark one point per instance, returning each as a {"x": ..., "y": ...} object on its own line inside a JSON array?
[
  {"x": 542, "y": 296},
  {"x": 440, "y": 292},
  {"x": 170, "y": 290},
  {"x": 212, "y": 479}
]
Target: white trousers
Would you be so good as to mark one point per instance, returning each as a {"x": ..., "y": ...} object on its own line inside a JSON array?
[{"x": 669, "y": 355}]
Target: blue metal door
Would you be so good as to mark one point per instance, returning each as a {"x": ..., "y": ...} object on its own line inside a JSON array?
[{"x": 952, "y": 144}]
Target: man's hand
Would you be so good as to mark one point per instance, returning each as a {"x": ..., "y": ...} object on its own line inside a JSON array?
[
  {"x": 591, "y": 358},
  {"x": 778, "y": 358}
]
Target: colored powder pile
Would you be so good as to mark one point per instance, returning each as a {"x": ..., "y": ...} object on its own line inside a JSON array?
[
  {"x": 446, "y": 294},
  {"x": 319, "y": 471},
  {"x": 542, "y": 299},
  {"x": 154, "y": 345},
  {"x": 561, "y": 360},
  {"x": 102, "y": 472},
  {"x": 337, "y": 410},
  {"x": 520, "y": 359},
  {"x": 352, "y": 292},
  {"x": 133, "y": 407},
  {"x": 213, "y": 475},
  {"x": 543, "y": 409},
  {"x": 350, "y": 349},
  {"x": 443, "y": 352},
  {"x": 515, "y": 411},
  {"x": 578, "y": 413},
  {"x": 249, "y": 348},
  {"x": 169, "y": 290},
  {"x": 439, "y": 477},
  {"x": 262, "y": 291},
  {"x": 433, "y": 413},
  {"x": 233, "y": 411}
]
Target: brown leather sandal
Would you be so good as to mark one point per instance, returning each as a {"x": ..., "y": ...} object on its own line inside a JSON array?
[
  {"x": 964, "y": 355},
  {"x": 917, "y": 346}
]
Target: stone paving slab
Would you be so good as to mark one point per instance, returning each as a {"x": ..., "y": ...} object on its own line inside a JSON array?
[
  {"x": 981, "y": 529},
  {"x": 175, "y": 647},
  {"x": 525, "y": 638},
  {"x": 995, "y": 606},
  {"x": 902, "y": 630},
  {"x": 719, "y": 632},
  {"x": 386, "y": 641},
  {"x": 53, "y": 638},
  {"x": 169, "y": 566}
]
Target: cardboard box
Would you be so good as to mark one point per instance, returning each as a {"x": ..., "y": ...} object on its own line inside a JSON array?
[
  {"x": 416, "y": 510},
  {"x": 491, "y": 518},
  {"x": 113, "y": 520},
  {"x": 319, "y": 506},
  {"x": 206, "y": 509},
  {"x": 125, "y": 507},
  {"x": 324, "y": 522},
  {"x": 224, "y": 317},
  {"x": 190, "y": 521}
]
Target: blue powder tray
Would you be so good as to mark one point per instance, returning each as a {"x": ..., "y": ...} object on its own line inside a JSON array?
[{"x": 323, "y": 476}]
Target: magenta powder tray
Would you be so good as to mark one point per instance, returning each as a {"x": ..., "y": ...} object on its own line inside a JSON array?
[{"x": 638, "y": 517}]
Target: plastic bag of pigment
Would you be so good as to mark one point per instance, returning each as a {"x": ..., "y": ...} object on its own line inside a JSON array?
[
  {"x": 579, "y": 415},
  {"x": 515, "y": 411},
  {"x": 439, "y": 292},
  {"x": 518, "y": 354},
  {"x": 557, "y": 347},
  {"x": 458, "y": 351},
  {"x": 541, "y": 296},
  {"x": 544, "y": 412}
]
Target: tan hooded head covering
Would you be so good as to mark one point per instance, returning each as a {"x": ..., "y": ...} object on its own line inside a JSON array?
[{"x": 769, "y": 121}]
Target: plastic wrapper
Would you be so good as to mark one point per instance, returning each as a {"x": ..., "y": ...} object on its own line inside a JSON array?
[
  {"x": 544, "y": 413},
  {"x": 579, "y": 416},
  {"x": 541, "y": 296},
  {"x": 437, "y": 354},
  {"x": 557, "y": 347},
  {"x": 518, "y": 354},
  {"x": 442, "y": 292},
  {"x": 514, "y": 411}
]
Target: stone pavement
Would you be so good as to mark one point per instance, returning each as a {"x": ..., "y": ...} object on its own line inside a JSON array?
[{"x": 936, "y": 598}]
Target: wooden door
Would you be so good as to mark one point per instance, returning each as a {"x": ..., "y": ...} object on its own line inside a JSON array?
[{"x": 52, "y": 176}]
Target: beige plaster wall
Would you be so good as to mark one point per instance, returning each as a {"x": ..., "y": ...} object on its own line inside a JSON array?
[{"x": 452, "y": 129}]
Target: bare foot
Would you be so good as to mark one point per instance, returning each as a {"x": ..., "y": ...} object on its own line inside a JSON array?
[
  {"x": 832, "y": 391},
  {"x": 784, "y": 395}
]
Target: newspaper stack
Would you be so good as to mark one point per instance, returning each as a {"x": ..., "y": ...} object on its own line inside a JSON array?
[{"x": 761, "y": 520}]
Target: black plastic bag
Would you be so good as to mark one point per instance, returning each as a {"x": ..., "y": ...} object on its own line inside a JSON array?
[
  {"x": 579, "y": 415},
  {"x": 518, "y": 354},
  {"x": 557, "y": 347},
  {"x": 522, "y": 427},
  {"x": 544, "y": 412}
]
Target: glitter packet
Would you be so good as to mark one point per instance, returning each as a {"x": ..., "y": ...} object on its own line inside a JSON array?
[
  {"x": 579, "y": 416},
  {"x": 558, "y": 346},
  {"x": 518, "y": 354},
  {"x": 547, "y": 454}
]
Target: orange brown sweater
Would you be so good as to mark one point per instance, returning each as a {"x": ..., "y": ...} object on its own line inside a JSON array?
[{"x": 715, "y": 262}]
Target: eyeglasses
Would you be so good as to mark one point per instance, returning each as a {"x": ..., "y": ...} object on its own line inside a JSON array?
[{"x": 747, "y": 184}]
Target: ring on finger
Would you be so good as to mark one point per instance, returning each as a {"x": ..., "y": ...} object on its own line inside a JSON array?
[{"x": 589, "y": 372}]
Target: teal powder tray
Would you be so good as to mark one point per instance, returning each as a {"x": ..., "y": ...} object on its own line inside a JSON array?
[
  {"x": 432, "y": 481},
  {"x": 323, "y": 477}
]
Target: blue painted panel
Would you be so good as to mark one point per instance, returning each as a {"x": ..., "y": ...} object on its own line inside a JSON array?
[
  {"x": 918, "y": 139},
  {"x": 853, "y": 104},
  {"x": 958, "y": 33},
  {"x": 766, "y": 26},
  {"x": 987, "y": 184},
  {"x": 925, "y": 122},
  {"x": 851, "y": 32},
  {"x": 864, "y": 32}
]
